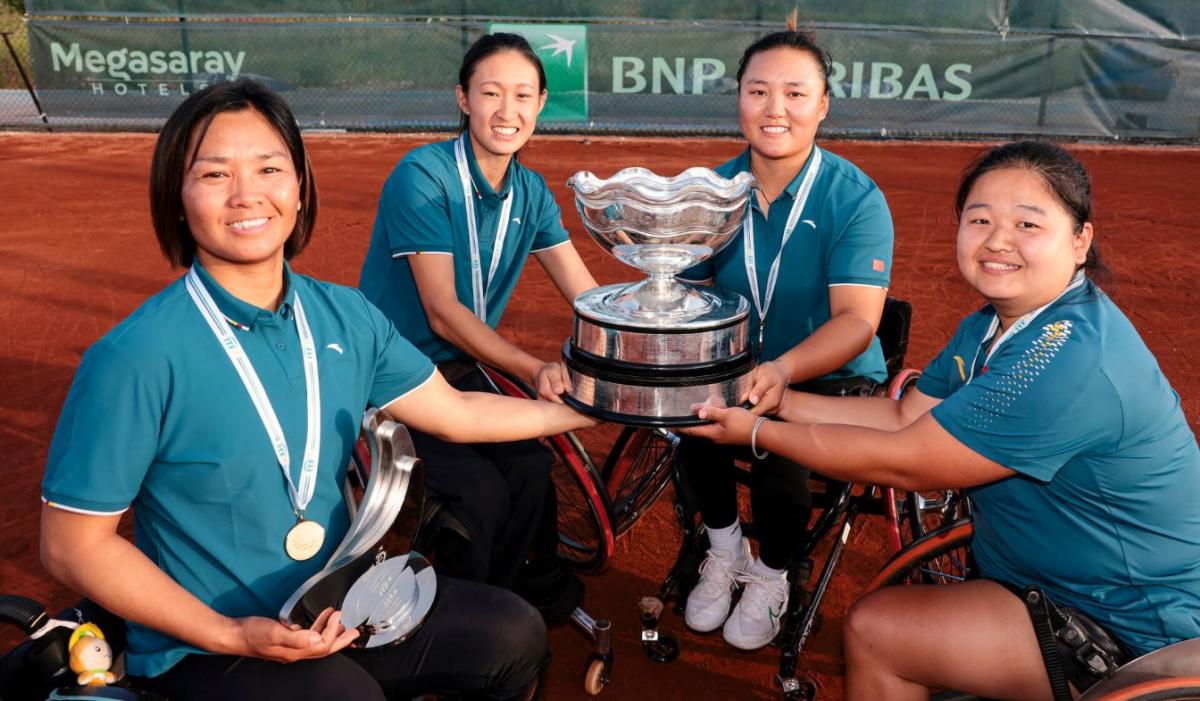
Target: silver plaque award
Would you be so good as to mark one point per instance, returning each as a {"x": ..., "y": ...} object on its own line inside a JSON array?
[
  {"x": 645, "y": 353},
  {"x": 385, "y": 598}
]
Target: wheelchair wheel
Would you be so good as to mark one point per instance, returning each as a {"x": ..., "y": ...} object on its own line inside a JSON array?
[
  {"x": 1171, "y": 672},
  {"x": 636, "y": 472},
  {"x": 942, "y": 556},
  {"x": 1177, "y": 689},
  {"x": 585, "y": 532}
]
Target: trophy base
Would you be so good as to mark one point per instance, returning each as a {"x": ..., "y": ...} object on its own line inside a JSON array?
[
  {"x": 640, "y": 395},
  {"x": 653, "y": 371},
  {"x": 615, "y": 337}
]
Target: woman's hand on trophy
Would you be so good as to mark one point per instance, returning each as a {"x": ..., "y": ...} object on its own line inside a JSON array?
[
  {"x": 551, "y": 380},
  {"x": 273, "y": 640},
  {"x": 729, "y": 425},
  {"x": 768, "y": 387}
]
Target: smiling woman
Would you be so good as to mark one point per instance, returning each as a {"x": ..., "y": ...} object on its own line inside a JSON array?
[
  {"x": 235, "y": 165},
  {"x": 1047, "y": 407},
  {"x": 818, "y": 237},
  {"x": 192, "y": 409},
  {"x": 457, "y": 221}
]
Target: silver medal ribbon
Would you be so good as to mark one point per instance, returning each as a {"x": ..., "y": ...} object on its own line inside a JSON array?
[
  {"x": 1017, "y": 326},
  {"x": 479, "y": 290},
  {"x": 258, "y": 394},
  {"x": 762, "y": 303}
]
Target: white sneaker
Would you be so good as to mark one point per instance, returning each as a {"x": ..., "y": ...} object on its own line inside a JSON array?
[
  {"x": 708, "y": 603},
  {"x": 756, "y": 619}
]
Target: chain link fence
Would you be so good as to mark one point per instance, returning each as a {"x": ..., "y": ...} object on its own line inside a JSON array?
[{"x": 1091, "y": 69}]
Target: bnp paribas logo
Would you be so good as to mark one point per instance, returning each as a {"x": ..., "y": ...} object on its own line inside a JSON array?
[{"x": 563, "y": 50}]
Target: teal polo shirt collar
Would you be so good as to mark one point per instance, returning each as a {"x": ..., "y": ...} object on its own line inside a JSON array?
[
  {"x": 243, "y": 314},
  {"x": 742, "y": 165},
  {"x": 480, "y": 183}
]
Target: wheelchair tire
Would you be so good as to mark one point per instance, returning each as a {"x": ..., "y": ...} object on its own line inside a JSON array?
[
  {"x": 585, "y": 532},
  {"x": 941, "y": 556},
  {"x": 1177, "y": 689},
  {"x": 637, "y": 471}
]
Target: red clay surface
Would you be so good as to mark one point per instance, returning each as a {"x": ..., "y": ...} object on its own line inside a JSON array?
[{"x": 77, "y": 254}]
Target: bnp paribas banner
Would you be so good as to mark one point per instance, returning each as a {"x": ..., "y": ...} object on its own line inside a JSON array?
[
  {"x": 563, "y": 49},
  {"x": 635, "y": 77}
]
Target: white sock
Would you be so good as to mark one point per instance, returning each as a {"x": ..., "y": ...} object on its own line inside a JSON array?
[
  {"x": 727, "y": 539},
  {"x": 760, "y": 569}
]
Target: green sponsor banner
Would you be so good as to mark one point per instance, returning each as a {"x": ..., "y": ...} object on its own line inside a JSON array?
[
  {"x": 627, "y": 77},
  {"x": 1156, "y": 18},
  {"x": 563, "y": 49},
  {"x": 1150, "y": 18},
  {"x": 962, "y": 14}
]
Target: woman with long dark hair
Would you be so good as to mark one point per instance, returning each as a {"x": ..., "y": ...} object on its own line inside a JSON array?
[{"x": 457, "y": 221}]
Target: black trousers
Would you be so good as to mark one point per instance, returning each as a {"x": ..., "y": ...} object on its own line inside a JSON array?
[
  {"x": 498, "y": 491},
  {"x": 780, "y": 499},
  {"x": 479, "y": 641}
]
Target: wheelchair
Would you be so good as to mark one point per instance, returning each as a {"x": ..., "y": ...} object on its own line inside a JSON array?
[
  {"x": 943, "y": 556},
  {"x": 595, "y": 505},
  {"x": 907, "y": 516}
]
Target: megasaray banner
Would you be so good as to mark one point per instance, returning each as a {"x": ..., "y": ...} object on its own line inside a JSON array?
[{"x": 643, "y": 76}]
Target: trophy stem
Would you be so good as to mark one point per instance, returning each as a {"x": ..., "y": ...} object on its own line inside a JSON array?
[
  {"x": 664, "y": 285},
  {"x": 661, "y": 299}
]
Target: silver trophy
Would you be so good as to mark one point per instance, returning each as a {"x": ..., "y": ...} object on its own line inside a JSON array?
[
  {"x": 385, "y": 598},
  {"x": 644, "y": 353}
]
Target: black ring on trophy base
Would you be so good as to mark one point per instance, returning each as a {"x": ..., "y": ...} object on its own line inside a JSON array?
[
  {"x": 645, "y": 380},
  {"x": 626, "y": 373}
]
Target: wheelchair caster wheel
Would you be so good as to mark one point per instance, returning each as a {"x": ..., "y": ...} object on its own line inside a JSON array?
[
  {"x": 663, "y": 649},
  {"x": 657, "y": 646},
  {"x": 596, "y": 677},
  {"x": 797, "y": 689}
]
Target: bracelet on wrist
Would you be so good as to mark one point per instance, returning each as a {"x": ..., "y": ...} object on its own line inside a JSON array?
[
  {"x": 782, "y": 401},
  {"x": 754, "y": 440}
]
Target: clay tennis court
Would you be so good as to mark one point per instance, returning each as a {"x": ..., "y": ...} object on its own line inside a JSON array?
[{"x": 77, "y": 254}]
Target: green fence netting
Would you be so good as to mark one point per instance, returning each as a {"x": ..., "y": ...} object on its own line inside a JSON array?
[{"x": 1098, "y": 69}]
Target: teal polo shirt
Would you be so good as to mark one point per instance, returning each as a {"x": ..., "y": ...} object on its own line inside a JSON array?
[
  {"x": 1102, "y": 512},
  {"x": 843, "y": 237},
  {"x": 421, "y": 212},
  {"x": 158, "y": 418}
]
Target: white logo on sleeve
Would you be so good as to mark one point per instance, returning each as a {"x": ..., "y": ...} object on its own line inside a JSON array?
[
  {"x": 516, "y": 220},
  {"x": 337, "y": 347},
  {"x": 810, "y": 222}
]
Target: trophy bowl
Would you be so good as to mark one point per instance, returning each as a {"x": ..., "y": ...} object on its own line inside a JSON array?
[
  {"x": 644, "y": 353},
  {"x": 662, "y": 226}
]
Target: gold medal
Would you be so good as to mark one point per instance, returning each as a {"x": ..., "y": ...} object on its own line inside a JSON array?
[{"x": 304, "y": 540}]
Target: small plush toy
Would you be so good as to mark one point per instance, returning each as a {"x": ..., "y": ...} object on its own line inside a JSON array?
[{"x": 90, "y": 656}]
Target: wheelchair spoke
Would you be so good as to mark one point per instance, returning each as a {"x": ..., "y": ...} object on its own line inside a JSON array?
[{"x": 637, "y": 472}]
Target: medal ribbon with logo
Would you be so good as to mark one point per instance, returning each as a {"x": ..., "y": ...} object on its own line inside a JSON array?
[
  {"x": 789, "y": 226},
  {"x": 304, "y": 539},
  {"x": 478, "y": 290}
]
